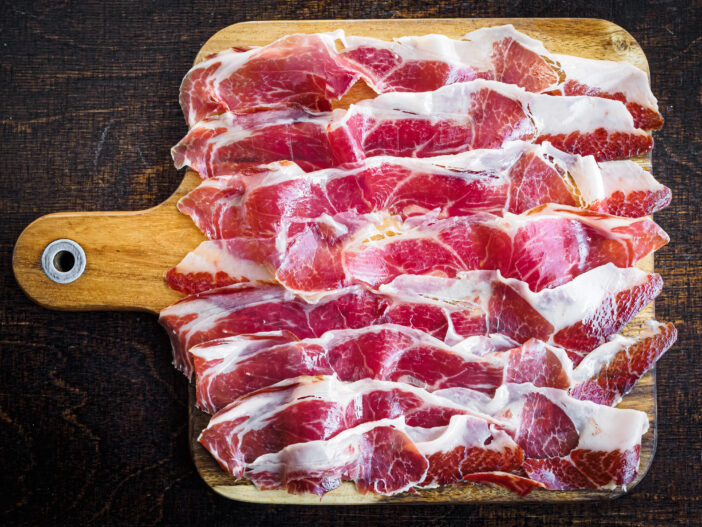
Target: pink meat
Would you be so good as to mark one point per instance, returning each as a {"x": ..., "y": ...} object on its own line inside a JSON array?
[
  {"x": 500, "y": 53},
  {"x": 473, "y": 115},
  {"x": 517, "y": 484},
  {"x": 221, "y": 144},
  {"x": 232, "y": 367},
  {"x": 307, "y": 70},
  {"x": 309, "y": 434},
  {"x": 330, "y": 421},
  {"x": 296, "y": 69},
  {"x": 546, "y": 247},
  {"x": 607, "y": 376},
  {"x": 568, "y": 444},
  {"x": 585, "y": 469},
  {"x": 449, "y": 309},
  {"x": 282, "y": 198},
  {"x": 381, "y": 459},
  {"x": 310, "y": 409}
]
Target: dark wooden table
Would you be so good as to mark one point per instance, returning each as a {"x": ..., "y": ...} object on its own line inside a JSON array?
[{"x": 93, "y": 418}]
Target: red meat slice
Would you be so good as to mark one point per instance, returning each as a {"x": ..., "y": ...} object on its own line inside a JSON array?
[
  {"x": 477, "y": 303},
  {"x": 500, "y": 53},
  {"x": 605, "y": 377},
  {"x": 229, "y": 368},
  {"x": 546, "y": 247},
  {"x": 472, "y": 115},
  {"x": 296, "y": 69}
]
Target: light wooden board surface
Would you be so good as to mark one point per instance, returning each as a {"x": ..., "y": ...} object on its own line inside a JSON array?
[{"x": 127, "y": 253}]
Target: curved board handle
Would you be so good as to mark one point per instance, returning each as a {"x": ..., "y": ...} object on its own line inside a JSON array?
[{"x": 126, "y": 256}]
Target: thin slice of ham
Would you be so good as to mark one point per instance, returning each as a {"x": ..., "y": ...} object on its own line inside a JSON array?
[
  {"x": 306, "y": 409},
  {"x": 307, "y": 435},
  {"x": 568, "y": 443},
  {"x": 503, "y": 54},
  {"x": 222, "y": 144},
  {"x": 453, "y": 119},
  {"x": 513, "y": 179},
  {"x": 485, "y": 114},
  {"x": 272, "y": 434},
  {"x": 577, "y": 316},
  {"x": 307, "y": 70},
  {"x": 388, "y": 457},
  {"x": 297, "y": 69},
  {"x": 231, "y": 367},
  {"x": 611, "y": 371},
  {"x": 545, "y": 247}
]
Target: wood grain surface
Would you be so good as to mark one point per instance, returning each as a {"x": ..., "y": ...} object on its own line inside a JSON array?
[{"x": 92, "y": 415}]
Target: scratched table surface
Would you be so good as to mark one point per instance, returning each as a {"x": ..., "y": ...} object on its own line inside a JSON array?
[{"x": 93, "y": 418}]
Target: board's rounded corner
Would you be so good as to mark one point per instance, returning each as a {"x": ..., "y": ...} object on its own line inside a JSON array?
[
  {"x": 221, "y": 34},
  {"x": 22, "y": 253},
  {"x": 229, "y": 28},
  {"x": 619, "y": 29}
]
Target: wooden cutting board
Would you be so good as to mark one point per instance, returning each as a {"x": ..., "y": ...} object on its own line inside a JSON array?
[{"x": 127, "y": 253}]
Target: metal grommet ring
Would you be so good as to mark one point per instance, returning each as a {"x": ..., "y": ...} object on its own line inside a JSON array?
[{"x": 63, "y": 261}]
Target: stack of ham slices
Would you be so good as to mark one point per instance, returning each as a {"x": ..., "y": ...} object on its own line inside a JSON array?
[{"x": 425, "y": 288}]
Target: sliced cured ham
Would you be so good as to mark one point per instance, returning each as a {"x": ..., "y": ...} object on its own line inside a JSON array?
[
  {"x": 296, "y": 69},
  {"x": 608, "y": 373},
  {"x": 314, "y": 408},
  {"x": 484, "y": 114},
  {"x": 629, "y": 191},
  {"x": 226, "y": 143},
  {"x": 514, "y": 179},
  {"x": 503, "y": 54},
  {"x": 425, "y": 288},
  {"x": 301, "y": 428},
  {"x": 578, "y": 315},
  {"x": 567, "y": 443},
  {"x": 545, "y": 247},
  {"x": 315, "y": 417},
  {"x": 450, "y": 120},
  {"x": 229, "y": 368},
  {"x": 307, "y": 70},
  {"x": 388, "y": 457},
  {"x": 517, "y": 484}
]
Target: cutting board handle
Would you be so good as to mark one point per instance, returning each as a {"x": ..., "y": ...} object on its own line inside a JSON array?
[{"x": 126, "y": 256}]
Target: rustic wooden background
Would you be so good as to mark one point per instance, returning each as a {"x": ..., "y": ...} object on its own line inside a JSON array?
[{"x": 93, "y": 418}]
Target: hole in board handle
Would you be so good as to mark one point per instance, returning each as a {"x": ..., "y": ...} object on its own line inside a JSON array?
[{"x": 63, "y": 261}]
